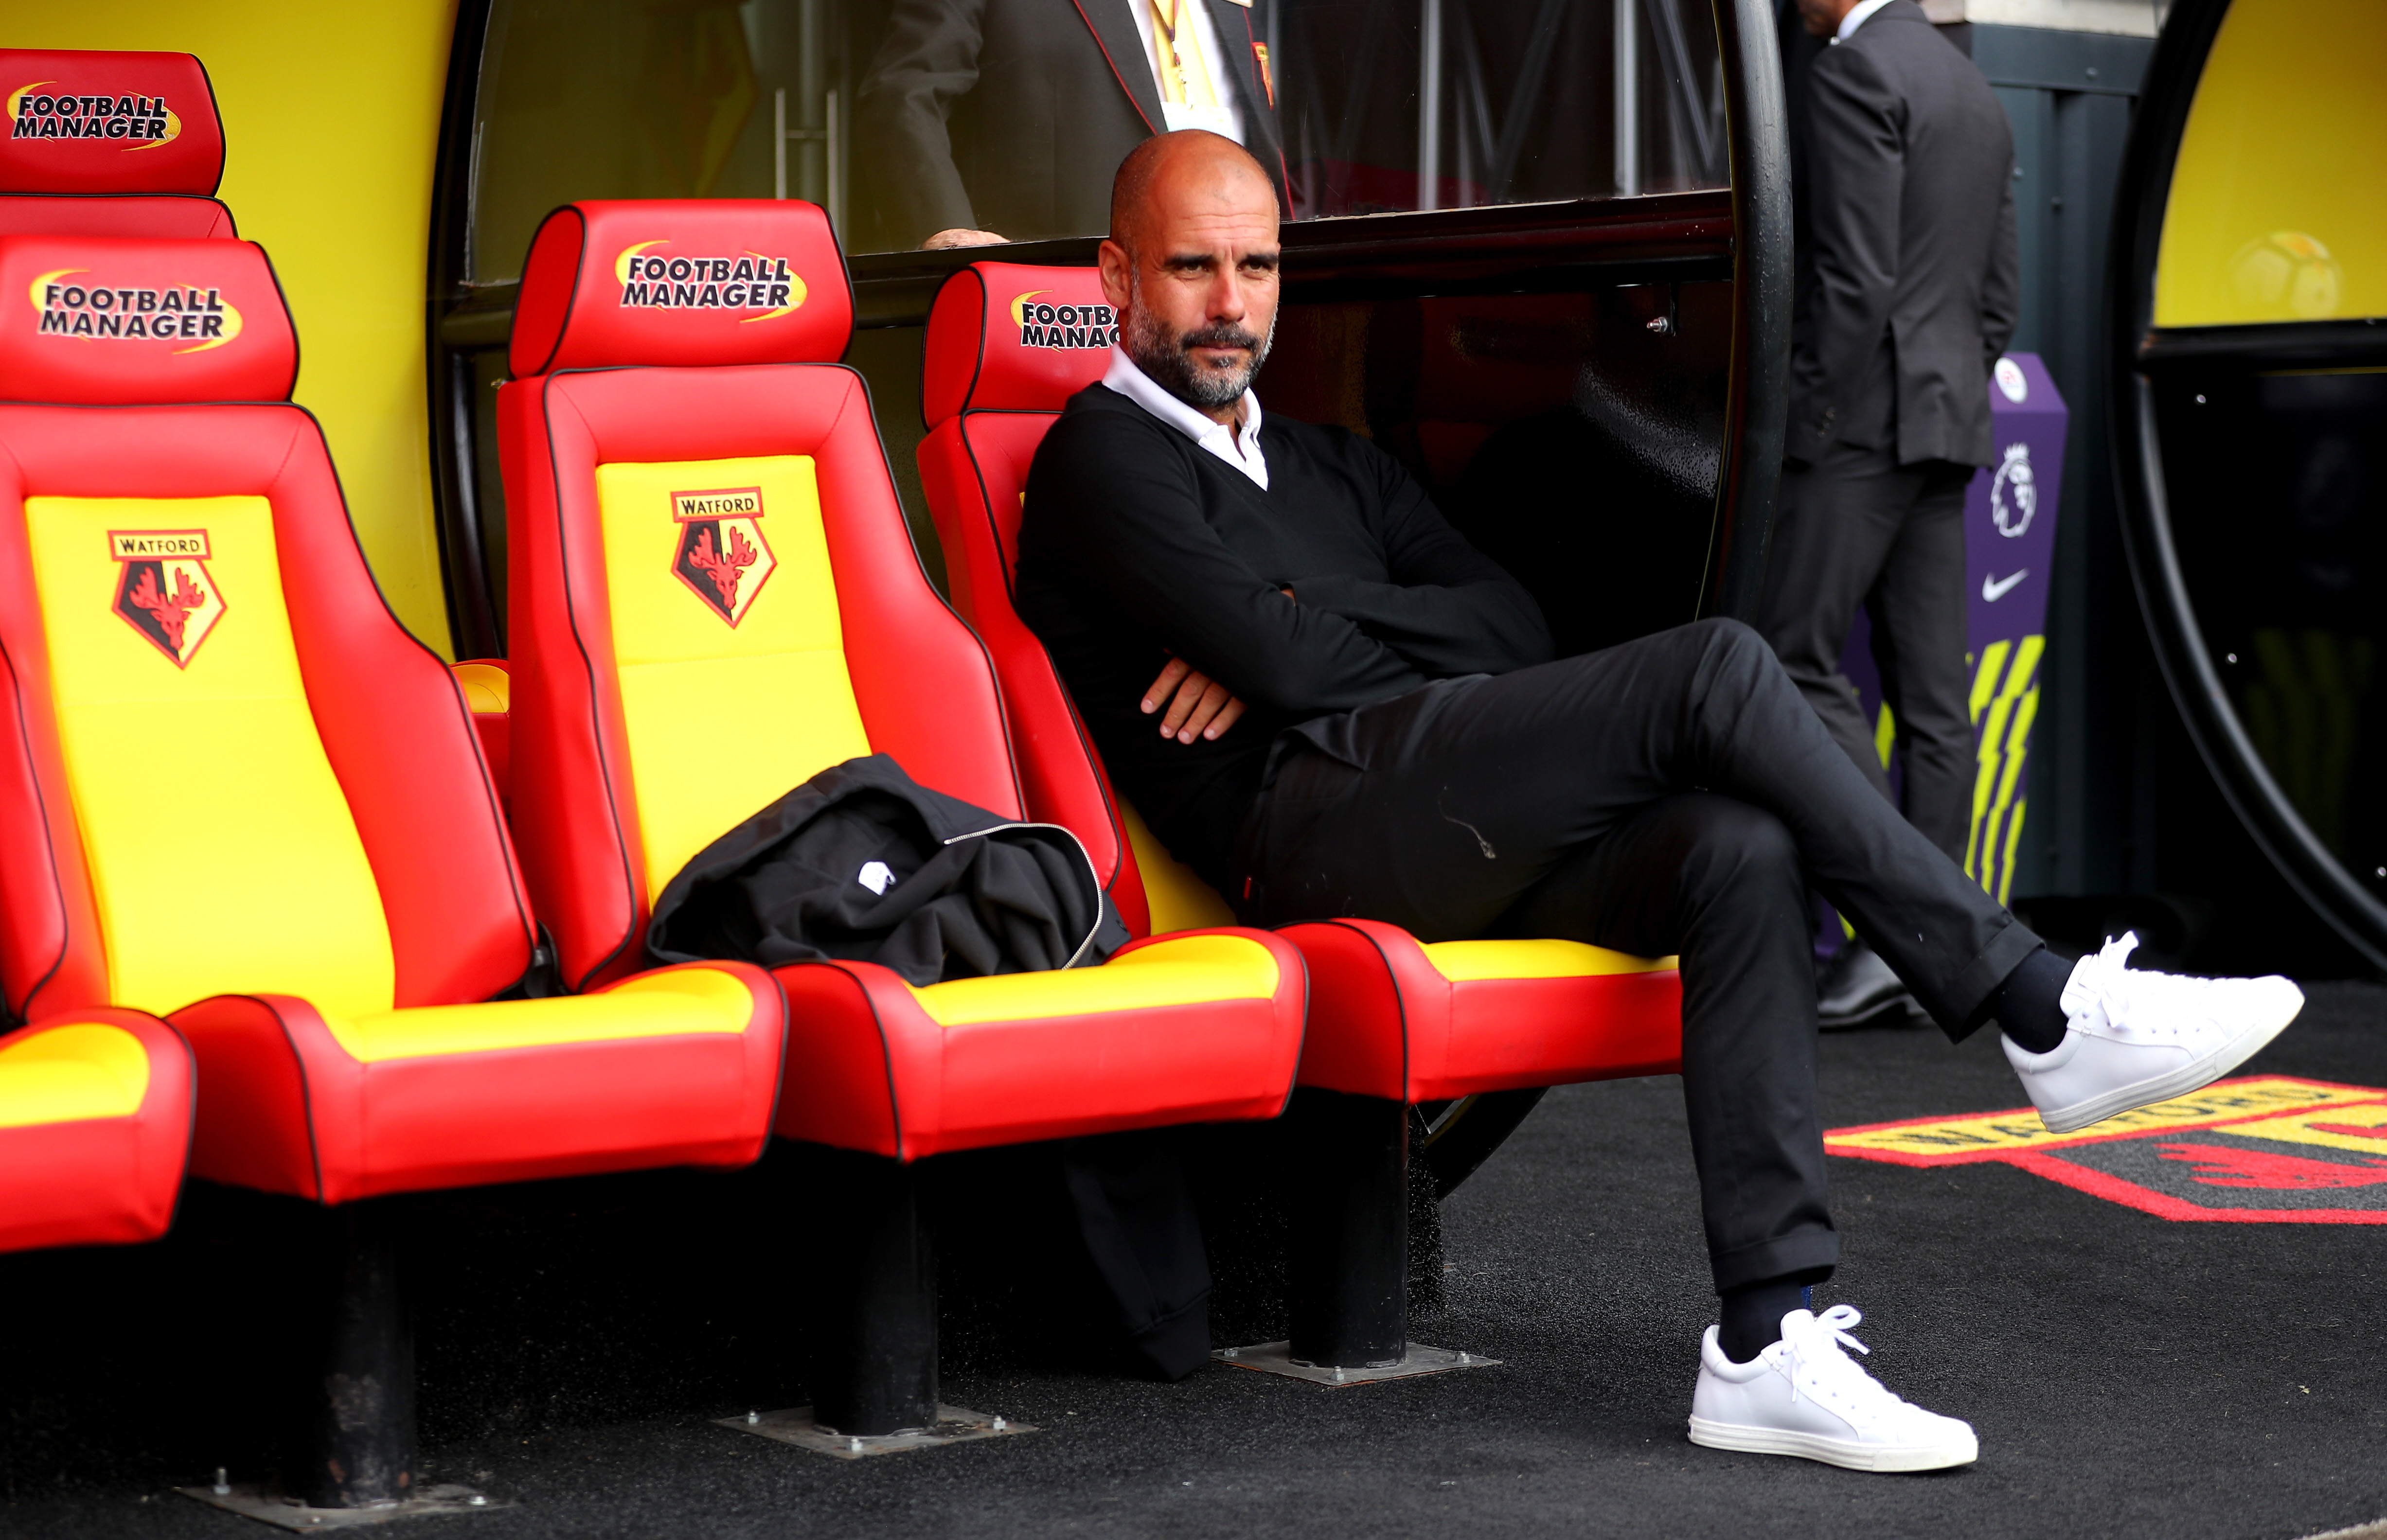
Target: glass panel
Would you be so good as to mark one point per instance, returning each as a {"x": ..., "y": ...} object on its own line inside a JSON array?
[
  {"x": 1395, "y": 105},
  {"x": 1560, "y": 433},
  {"x": 653, "y": 100},
  {"x": 2278, "y": 485},
  {"x": 906, "y": 118}
]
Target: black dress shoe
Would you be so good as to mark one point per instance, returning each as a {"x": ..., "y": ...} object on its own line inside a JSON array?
[{"x": 1857, "y": 987}]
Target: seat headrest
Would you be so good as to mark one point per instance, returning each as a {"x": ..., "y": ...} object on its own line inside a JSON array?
[
  {"x": 1005, "y": 337},
  {"x": 681, "y": 281},
  {"x": 90, "y": 120},
  {"x": 115, "y": 320}
]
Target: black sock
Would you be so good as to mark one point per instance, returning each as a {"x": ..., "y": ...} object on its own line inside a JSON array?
[
  {"x": 2028, "y": 1006},
  {"x": 1752, "y": 1316}
]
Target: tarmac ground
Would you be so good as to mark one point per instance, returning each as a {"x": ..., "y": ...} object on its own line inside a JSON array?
[{"x": 2129, "y": 1374}]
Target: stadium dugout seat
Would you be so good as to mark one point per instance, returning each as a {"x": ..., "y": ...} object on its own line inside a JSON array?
[
  {"x": 110, "y": 143},
  {"x": 239, "y": 802},
  {"x": 714, "y": 597},
  {"x": 1393, "y": 1022}
]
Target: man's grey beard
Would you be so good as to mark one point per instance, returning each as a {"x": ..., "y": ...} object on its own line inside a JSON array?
[{"x": 1168, "y": 359}]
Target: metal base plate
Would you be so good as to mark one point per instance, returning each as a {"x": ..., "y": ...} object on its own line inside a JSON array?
[
  {"x": 273, "y": 1508},
  {"x": 795, "y": 1425},
  {"x": 1276, "y": 1358}
]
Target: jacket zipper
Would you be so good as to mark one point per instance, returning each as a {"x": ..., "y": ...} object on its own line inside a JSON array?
[{"x": 1075, "y": 843}]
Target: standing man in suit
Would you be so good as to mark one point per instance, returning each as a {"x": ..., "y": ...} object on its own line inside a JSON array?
[
  {"x": 982, "y": 122},
  {"x": 1907, "y": 288}
]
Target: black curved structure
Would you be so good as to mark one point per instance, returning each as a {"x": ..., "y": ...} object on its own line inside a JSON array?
[
  {"x": 1758, "y": 132},
  {"x": 2145, "y": 362}
]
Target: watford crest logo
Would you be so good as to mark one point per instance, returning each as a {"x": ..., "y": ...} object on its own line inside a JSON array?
[
  {"x": 722, "y": 555},
  {"x": 2262, "y": 1149},
  {"x": 164, "y": 590}
]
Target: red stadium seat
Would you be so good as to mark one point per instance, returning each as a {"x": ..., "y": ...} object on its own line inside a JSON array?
[
  {"x": 1392, "y": 1020},
  {"x": 110, "y": 143},
  {"x": 94, "y": 1128},
  {"x": 713, "y": 597},
  {"x": 243, "y": 798}
]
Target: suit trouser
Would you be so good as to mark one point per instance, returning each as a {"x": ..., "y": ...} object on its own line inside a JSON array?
[
  {"x": 1856, "y": 527},
  {"x": 1675, "y": 794}
]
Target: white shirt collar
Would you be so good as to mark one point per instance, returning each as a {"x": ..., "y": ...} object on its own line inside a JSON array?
[
  {"x": 1194, "y": 25},
  {"x": 1241, "y": 450},
  {"x": 1858, "y": 16}
]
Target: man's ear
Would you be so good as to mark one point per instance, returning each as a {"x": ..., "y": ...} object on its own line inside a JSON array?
[{"x": 1115, "y": 265}]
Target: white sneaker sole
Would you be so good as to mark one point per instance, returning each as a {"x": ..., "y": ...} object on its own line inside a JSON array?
[
  {"x": 1849, "y": 1454},
  {"x": 2194, "y": 1075}
]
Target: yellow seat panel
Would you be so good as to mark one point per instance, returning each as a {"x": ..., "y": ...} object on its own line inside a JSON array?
[
  {"x": 487, "y": 688},
  {"x": 1179, "y": 900},
  {"x": 1462, "y": 961},
  {"x": 727, "y": 645},
  {"x": 1187, "y": 971},
  {"x": 68, "y": 1074},
  {"x": 222, "y": 855},
  {"x": 660, "y": 1004}
]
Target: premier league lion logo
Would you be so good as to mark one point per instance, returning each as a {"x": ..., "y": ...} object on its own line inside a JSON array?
[{"x": 2014, "y": 492}]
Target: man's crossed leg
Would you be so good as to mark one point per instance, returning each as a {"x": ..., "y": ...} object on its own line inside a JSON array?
[{"x": 1678, "y": 794}]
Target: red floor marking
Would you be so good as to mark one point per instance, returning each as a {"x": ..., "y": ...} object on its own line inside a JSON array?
[
  {"x": 2286, "y": 1139},
  {"x": 2219, "y": 1165}
]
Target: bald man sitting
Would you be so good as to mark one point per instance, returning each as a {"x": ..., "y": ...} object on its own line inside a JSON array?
[{"x": 1329, "y": 704}]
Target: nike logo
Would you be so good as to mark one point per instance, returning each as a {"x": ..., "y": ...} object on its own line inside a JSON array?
[{"x": 1996, "y": 588}]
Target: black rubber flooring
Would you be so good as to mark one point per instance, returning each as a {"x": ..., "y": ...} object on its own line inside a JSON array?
[{"x": 2128, "y": 1376}]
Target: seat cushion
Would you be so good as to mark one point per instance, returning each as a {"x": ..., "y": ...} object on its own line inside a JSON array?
[
  {"x": 1199, "y": 1026},
  {"x": 95, "y": 1129},
  {"x": 676, "y": 1067},
  {"x": 1412, "y": 1022}
]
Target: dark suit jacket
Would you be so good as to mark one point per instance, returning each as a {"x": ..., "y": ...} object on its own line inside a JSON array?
[
  {"x": 1909, "y": 281},
  {"x": 1013, "y": 115}
]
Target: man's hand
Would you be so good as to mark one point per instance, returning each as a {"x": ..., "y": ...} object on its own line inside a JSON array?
[
  {"x": 1201, "y": 704},
  {"x": 946, "y": 240}
]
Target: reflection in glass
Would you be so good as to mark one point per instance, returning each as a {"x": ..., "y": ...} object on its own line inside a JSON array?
[
  {"x": 979, "y": 120},
  {"x": 2279, "y": 491},
  {"x": 1558, "y": 432},
  {"x": 1448, "y": 104},
  {"x": 646, "y": 99},
  {"x": 909, "y": 118}
]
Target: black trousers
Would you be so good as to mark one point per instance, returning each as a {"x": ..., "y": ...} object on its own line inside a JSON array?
[
  {"x": 1137, "y": 1217},
  {"x": 1856, "y": 527},
  {"x": 1675, "y": 794}
]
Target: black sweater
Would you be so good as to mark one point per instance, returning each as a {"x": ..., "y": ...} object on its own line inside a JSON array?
[{"x": 1135, "y": 543}]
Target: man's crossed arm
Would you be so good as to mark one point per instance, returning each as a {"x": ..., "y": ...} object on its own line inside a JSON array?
[
  {"x": 1198, "y": 705},
  {"x": 1137, "y": 531}
]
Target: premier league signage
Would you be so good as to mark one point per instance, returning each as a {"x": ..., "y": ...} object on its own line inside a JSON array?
[{"x": 2010, "y": 555}]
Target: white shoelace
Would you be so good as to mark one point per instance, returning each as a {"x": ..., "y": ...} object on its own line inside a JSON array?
[
  {"x": 2140, "y": 1003},
  {"x": 1811, "y": 1349}
]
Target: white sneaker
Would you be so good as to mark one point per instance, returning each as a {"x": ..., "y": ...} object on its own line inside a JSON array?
[
  {"x": 1804, "y": 1397},
  {"x": 2139, "y": 1036}
]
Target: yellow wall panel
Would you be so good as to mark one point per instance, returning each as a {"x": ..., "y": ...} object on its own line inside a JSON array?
[
  {"x": 2276, "y": 213},
  {"x": 331, "y": 125}
]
